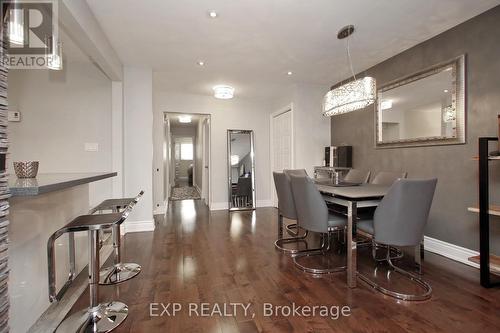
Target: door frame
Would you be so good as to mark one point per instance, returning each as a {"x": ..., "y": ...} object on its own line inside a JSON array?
[
  {"x": 209, "y": 117},
  {"x": 287, "y": 108}
]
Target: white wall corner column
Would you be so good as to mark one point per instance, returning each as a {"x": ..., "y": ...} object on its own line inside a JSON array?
[
  {"x": 117, "y": 136},
  {"x": 138, "y": 145}
]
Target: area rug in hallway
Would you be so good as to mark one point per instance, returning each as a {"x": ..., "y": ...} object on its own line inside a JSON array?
[{"x": 185, "y": 193}]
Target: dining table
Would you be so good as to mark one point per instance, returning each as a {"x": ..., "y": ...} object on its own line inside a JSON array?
[{"x": 352, "y": 196}]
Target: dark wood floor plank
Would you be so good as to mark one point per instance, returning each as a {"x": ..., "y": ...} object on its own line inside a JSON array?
[{"x": 199, "y": 256}]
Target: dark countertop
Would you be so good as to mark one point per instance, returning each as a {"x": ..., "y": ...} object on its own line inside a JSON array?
[{"x": 48, "y": 182}]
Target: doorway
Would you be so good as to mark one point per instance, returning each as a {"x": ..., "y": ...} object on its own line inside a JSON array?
[{"x": 187, "y": 152}]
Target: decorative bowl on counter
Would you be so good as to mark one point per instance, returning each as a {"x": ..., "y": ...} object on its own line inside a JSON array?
[{"x": 26, "y": 169}]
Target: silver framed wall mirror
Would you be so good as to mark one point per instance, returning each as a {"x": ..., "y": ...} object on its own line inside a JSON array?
[
  {"x": 423, "y": 109},
  {"x": 241, "y": 169}
]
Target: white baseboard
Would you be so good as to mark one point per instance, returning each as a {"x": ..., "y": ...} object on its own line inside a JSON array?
[
  {"x": 138, "y": 226},
  {"x": 225, "y": 205},
  {"x": 218, "y": 206},
  {"x": 450, "y": 251},
  {"x": 264, "y": 203}
]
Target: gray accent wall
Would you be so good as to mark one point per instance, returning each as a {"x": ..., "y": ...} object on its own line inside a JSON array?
[{"x": 457, "y": 173}]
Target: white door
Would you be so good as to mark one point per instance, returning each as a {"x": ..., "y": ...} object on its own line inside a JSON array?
[{"x": 282, "y": 144}]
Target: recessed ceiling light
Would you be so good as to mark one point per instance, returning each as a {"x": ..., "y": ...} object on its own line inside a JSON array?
[
  {"x": 185, "y": 119},
  {"x": 446, "y": 90},
  {"x": 201, "y": 63},
  {"x": 212, "y": 14},
  {"x": 223, "y": 92},
  {"x": 289, "y": 73}
]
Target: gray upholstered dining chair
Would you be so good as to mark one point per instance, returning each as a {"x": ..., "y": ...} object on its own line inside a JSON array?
[
  {"x": 313, "y": 215},
  {"x": 357, "y": 176},
  {"x": 286, "y": 208},
  {"x": 292, "y": 228},
  {"x": 399, "y": 220},
  {"x": 387, "y": 178}
]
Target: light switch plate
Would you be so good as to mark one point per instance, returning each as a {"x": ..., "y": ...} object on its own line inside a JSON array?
[
  {"x": 14, "y": 116},
  {"x": 91, "y": 146}
]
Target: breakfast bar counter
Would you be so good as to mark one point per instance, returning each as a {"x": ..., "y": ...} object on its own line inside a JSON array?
[
  {"x": 48, "y": 182},
  {"x": 38, "y": 207}
]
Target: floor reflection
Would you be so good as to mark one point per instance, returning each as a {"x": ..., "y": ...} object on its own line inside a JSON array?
[{"x": 188, "y": 215}]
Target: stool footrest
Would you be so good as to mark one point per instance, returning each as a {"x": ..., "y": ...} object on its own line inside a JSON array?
[{"x": 118, "y": 273}]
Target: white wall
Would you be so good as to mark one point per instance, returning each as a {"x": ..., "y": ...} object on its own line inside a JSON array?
[
  {"x": 225, "y": 114},
  {"x": 60, "y": 112},
  {"x": 138, "y": 145},
  {"x": 311, "y": 128}
]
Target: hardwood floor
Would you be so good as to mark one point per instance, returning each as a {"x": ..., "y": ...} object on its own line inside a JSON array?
[{"x": 199, "y": 256}]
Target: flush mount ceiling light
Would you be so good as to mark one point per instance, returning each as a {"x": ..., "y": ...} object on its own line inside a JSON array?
[
  {"x": 15, "y": 25},
  {"x": 212, "y": 14},
  {"x": 54, "y": 55},
  {"x": 351, "y": 96},
  {"x": 185, "y": 119},
  {"x": 387, "y": 104},
  {"x": 223, "y": 92}
]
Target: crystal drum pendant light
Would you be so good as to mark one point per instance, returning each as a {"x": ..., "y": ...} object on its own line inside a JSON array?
[
  {"x": 54, "y": 55},
  {"x": 351, "y": 96},
  {"x": 15, "y": 25}
]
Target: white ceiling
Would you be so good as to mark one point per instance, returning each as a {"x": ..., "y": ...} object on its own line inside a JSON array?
[{"x": 253, "y": 43}]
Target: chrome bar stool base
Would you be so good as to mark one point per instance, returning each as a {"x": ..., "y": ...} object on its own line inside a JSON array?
[
  {"x": 103, "y": 318},
  {"x": 118, "y": 273}
]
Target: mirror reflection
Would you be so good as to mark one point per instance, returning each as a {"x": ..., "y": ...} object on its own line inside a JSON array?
[
  {"x": 241, "y": 169},
  {"x": 420, "y": 108}
]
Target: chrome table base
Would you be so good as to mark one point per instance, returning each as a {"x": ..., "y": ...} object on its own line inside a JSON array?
[
  {"x": 103, "y": 318},
  {"x": 118, "y": 273}
]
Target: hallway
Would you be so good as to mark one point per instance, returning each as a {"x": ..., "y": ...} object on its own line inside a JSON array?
[{"x": 199, "y": 256}]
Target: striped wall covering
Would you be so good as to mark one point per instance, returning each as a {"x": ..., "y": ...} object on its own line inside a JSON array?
[{"x": 4, "y": 195}]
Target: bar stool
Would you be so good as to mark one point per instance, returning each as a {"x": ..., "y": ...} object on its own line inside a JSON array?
[
  {"x": 98, "y": 317},
  {"x": 119, "y": 272}
]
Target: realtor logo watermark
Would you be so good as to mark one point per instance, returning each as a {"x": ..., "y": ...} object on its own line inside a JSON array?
[
  {"x": 333, "y": 312},
  {"x": 31, "y": 33}
]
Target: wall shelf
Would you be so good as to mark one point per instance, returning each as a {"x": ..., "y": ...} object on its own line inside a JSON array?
[
  {"x": 494, "y": 263},
  {"x": 493, "y": 210},
  {"x": 488, "y": 263}
]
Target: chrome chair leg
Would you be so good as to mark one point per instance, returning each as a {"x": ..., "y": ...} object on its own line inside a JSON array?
[
  {"x": 292, "y": 229},
  {"x": 419, "y": 256},
  {"x": 405, "y": 297},
  {"x": 323, "y": 250},
  {"x": 280, "y": 242},
  {"x": 397, "y": 253}
]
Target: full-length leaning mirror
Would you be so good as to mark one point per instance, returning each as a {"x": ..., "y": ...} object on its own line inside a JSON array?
[
  {"x": 426, "y": 108},
  {"x": 241, "y": 169}
]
